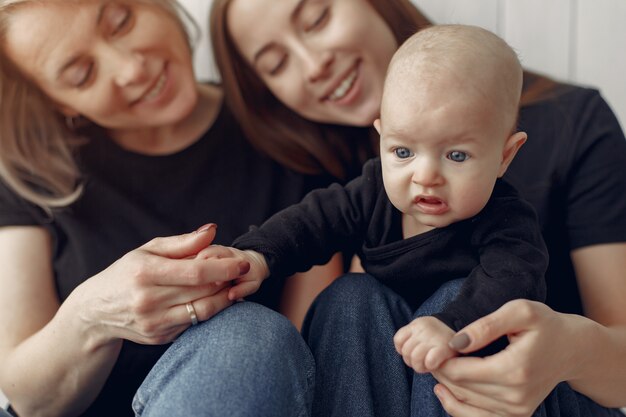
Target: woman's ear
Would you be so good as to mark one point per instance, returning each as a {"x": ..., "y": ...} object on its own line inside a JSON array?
[
  {"x": 511, "y": 146},
  {"x": 68, "y": 111}
]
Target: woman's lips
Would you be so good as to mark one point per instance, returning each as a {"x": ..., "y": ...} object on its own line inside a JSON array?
[
  {"x": 343, "y": 88},
  {"x": 347, "y": 90},
  {"x": 158, "y": 89}
]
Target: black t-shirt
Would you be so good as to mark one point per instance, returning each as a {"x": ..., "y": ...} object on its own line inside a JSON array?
[
  {"x": 131, "y": 198},
  {"x": 572, "y": 170}
]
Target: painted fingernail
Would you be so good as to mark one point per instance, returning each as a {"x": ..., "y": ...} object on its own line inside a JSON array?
[
  {"x": 244, "y": 267},
  {"x": 206, "y": 228},
  {"x": 459, "y": 341}
]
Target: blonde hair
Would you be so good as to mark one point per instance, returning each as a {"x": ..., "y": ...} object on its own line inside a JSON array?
[{"x": 37, "y": 146}]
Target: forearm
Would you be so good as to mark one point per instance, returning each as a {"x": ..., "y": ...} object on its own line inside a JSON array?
[
  {"x": 60, "y": 369},
  {"x": 598, "y": 368}
]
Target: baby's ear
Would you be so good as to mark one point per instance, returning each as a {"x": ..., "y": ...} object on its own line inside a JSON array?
[
  {"x": 377, "y": 125},
  {"x": 511, "y": 146}
]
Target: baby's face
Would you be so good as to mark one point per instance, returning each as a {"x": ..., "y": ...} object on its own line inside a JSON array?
[{"x": 441, "y": 153}]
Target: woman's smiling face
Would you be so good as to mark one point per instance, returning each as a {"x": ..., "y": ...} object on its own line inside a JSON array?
[
  {"x": 121, "y": 64},
  {"x": 324, "y": 59}
]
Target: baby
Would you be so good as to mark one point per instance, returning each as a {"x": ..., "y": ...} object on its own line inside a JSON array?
[{"x": 433, "y": 207}]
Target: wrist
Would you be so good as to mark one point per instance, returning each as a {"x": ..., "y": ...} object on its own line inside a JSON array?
[
  {"x": 258, "y": 263},
  {"x": 584, "y": 334},
  {"x": 82, "y": 313}
]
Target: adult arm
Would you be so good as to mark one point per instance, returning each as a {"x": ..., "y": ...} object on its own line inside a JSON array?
[
  {"x": 547, "y": 347},
  {"x": 55, "y": 358}
]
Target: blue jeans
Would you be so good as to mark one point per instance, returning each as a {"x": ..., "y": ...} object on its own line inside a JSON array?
[
  {"x": 350, "y": 330},
  {"x": 246, "y": 361}
]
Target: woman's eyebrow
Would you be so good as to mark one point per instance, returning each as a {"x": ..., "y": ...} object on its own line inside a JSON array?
[{"x": 293, "y": 17}]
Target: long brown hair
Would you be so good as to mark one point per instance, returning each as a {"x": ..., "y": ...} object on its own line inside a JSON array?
[
  {"x": 37, "y": 146},
  {"x": 287, "y": 137}
]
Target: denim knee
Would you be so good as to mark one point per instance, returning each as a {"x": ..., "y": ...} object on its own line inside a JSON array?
[
  {"x": 352, "y": 293},
  {"x": 440, "y": 298},
  {"x": 246, "y": 349}
]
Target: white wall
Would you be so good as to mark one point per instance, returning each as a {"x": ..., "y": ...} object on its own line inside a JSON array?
[{"x": 582, "y": 41}]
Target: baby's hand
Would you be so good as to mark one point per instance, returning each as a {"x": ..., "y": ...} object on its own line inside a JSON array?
[
  {"x": 253, "y": 269},
  {"x": 423, "y": 344}
]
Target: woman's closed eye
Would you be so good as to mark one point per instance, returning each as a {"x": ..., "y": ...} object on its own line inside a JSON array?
[
  {"x": 117, "y": 19},
  {"x": 318, "y": 20},
  {"x": 282, "y": 61},
  {"x": 79, "y": 74}
]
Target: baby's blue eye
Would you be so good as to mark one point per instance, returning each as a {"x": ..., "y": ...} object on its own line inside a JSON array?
[
  {"x": 457, "y": 156},
  {"x": 403, "y": 153}
]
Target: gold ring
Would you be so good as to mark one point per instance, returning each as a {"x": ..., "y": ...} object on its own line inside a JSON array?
[{"x": 192, "y": 314}]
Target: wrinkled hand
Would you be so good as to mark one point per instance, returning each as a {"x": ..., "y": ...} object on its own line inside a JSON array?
[
  {"x": 142, "y": 296},
  {"x": 423, "y": 344},
  {"x": 254, "y": 269},
  {"x": 512, "y": 382}
]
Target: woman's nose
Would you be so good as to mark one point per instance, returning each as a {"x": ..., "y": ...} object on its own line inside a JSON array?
[
  {"x": 318, "y": 64},
  {"x": 130, "y": 68}
]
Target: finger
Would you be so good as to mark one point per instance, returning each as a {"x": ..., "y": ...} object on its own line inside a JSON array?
[
  {"x": 511, "y": 318},
  {"x": 457, "y": 408},
  {"x": 400, "y": 338},
  {"x": 177, "y": 272},
  {"x": 182, "y": 246},
  {"x": 207, "y": 307},
  {"x": 485, "y": 396},
  {"x": 466, "y": 369},
  {"x": 417, "y": 357},
  {"x": 436, "y": 356},
  {"x": 176, "y": 295},
  {"x": 216, "y": 251},
  {"x": 407, "y": 349},
  {"x": 243, "y": 289}
]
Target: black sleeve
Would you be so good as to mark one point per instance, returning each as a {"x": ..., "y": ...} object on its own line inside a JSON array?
[
  {"x": 597, "y": 177},
  {"x": 513, "y": 261},
  {"x": 327, "y": 221},
  {"x": 15, "y": 211}
]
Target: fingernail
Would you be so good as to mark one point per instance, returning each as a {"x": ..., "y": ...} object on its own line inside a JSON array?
[
  {"x": 244, "y": 267},
  {"x": 459, "y": 341},
  {"x": 206, "y": 228}
]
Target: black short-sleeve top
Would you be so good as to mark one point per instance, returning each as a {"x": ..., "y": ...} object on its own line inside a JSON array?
[
  {"x": 130, "y": 198},
  {"x": 572, "y": 170}
]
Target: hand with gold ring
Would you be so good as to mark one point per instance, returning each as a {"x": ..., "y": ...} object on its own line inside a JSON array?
[{"x": 145, "y": 296}]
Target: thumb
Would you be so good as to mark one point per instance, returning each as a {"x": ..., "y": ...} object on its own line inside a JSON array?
[
  {"x": 480, "y": 333},
  {"x": 182, "y": 246}
]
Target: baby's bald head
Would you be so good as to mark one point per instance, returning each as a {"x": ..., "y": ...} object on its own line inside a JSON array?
[{"x": 470, "y": 61}]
